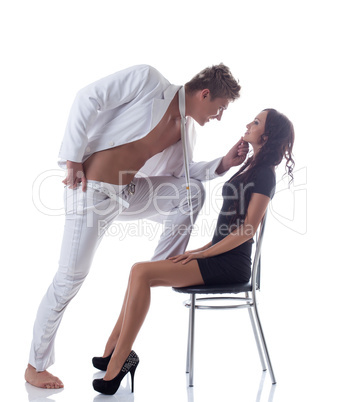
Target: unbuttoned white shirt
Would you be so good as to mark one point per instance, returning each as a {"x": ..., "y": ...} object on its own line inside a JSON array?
[{"x": 124, "y": 107}]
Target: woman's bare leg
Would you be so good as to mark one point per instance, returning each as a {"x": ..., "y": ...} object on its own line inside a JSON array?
[
  {"x": 137, "y": 301},
  {"x": 113, "y": 338}
]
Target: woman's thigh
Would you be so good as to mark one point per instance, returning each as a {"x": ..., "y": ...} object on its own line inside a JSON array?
[{"x": 168, "y": 273}]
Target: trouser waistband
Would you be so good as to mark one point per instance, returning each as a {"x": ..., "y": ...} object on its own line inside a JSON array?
[{"x": 113, "y": 191}]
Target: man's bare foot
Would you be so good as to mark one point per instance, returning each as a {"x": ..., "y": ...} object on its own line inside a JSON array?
[{"x": 42, "y": 379}]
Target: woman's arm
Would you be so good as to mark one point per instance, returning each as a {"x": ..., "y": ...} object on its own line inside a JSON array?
[
  {"x": 255, "y": 212},
  {"x": 180, "y": 257},
  {"x": 203, "y": 247}
]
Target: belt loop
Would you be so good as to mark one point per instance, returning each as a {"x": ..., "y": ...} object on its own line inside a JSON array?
[
  {"x": 131, "y": 188},
  {"x": 102, "y": 189}
]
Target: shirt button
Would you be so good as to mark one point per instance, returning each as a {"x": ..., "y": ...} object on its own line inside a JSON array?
[
  {"x": 111, "y": 144},
  {"x": 88, "y": 150}
]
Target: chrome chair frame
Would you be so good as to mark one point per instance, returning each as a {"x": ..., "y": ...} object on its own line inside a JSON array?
[{"x": 249, "y": 301}]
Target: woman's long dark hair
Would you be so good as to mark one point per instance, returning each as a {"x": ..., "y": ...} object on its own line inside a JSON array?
[{"x": 278, "y": 140}]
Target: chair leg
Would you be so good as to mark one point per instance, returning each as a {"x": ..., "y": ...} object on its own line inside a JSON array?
[
  {"x": 256, "y": 337},
  {"x": 268, "y": 360},
  {"x": 189, "y": 340},
  {"x": 190, "y": 346}
]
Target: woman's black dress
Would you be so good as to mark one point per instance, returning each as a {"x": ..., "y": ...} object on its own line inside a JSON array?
[{"x": 234, "y": 266}]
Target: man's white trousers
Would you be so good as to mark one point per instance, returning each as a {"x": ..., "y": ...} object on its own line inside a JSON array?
[{"x": 88, "y": 216}]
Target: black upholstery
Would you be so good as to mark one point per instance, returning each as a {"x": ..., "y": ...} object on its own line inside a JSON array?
[{"x": 201, "y": 289}]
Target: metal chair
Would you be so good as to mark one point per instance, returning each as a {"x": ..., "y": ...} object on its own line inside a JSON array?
[{"x": 249, "y": 301}]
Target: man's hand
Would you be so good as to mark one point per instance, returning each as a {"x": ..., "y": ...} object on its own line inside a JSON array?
[
  {"x": 75, "y": 175},
  {"x": 235, "y": 156}
]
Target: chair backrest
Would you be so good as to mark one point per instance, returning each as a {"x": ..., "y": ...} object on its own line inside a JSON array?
[{"x": 256, "y": 267}]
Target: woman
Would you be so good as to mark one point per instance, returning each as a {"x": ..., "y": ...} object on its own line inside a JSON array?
[{"x": 226, "y": 259}]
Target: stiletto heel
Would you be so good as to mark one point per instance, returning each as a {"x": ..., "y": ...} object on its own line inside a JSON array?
[
  {"x": 110, "y": 387},
  {"x": 132, "y": 372},
  {"x": 101, "y": 363}
]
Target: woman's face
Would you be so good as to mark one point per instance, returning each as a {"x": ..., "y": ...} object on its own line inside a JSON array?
[{"x": 255, "y": 130}]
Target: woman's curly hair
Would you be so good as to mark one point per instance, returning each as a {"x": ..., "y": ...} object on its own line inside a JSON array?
[
  {"x": 278, "y": 140},
  {"x": 279, "y": 131}
]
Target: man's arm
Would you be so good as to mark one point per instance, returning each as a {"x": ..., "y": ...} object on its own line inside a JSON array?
[
  {"x": 105, "y": 94},
  {"x": 209, "y": 170}
]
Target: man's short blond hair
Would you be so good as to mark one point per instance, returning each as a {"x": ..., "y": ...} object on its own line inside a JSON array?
[{"x": 218, "y": 79}]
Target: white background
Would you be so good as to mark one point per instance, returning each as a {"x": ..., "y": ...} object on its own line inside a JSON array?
[{"x": 285, "y": 56}]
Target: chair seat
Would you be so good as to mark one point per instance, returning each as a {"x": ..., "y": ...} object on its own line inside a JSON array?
[{"x": 202, "y": 289}]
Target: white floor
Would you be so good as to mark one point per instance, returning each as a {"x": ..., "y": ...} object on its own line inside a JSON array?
[{"x": 227, "y": 366}]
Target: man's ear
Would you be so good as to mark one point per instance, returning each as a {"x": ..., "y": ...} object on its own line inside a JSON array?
[{"x": 205, "y": 93}]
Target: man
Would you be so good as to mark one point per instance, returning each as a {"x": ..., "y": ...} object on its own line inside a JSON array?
[{"x": 128, "y": 150}]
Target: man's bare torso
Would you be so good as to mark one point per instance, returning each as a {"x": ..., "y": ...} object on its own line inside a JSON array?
[{"x": 119, "y": 165}]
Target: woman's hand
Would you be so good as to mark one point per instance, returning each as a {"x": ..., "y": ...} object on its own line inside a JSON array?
[{"x": 188, "y": 256}]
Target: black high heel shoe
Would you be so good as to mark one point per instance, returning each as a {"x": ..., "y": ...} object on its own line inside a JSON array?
[
  {"x": 111, "y": 387},
  {"x": 101, "y": 363}
]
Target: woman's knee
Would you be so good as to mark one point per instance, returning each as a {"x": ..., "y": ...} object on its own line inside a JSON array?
[{"x": 138, "y": 271}]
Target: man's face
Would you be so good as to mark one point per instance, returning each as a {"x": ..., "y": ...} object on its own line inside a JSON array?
[{"x": 210, "y": 109}]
